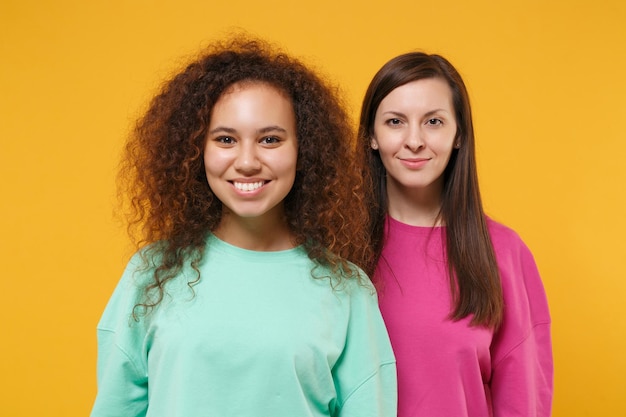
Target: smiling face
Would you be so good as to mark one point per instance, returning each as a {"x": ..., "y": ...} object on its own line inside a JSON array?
[
  {"x": 251, "y": 152},
  {"x": 414, "y": 132}
]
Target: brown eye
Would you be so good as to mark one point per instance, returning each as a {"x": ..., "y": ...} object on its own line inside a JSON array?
[
  {"x": 269, "y": 140},
  {"x": 227, "y": 140}
]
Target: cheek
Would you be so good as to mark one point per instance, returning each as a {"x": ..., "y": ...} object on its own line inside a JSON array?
[
  {"x": 386, "y": 150},
  {"x": 285, "y": 162},
  {"x": 445, "y": 148},
  {"x": 214, "y": 163},
  {"x": 388, "y": 140}
]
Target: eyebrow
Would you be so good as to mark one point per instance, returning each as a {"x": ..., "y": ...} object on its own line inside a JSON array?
[
  {"x": 394, "y": 113},
  {"x": 272, "y": 129},
  {"x": 427, "y": 114},
  {"x": 430, "y": 113},
  {"x": 260, "y": 131}
]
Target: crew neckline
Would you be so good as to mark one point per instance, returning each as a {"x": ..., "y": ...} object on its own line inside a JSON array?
[
  {"x": 396, "y": 224},
  {"x": 215, "y": 243}
]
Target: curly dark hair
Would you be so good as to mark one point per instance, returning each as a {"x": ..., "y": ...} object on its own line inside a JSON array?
[{"x": 171, "y": 208}]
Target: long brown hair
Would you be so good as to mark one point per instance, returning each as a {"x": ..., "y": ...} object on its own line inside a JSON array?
[
  {"x": 472, "y": 268},
  {"x": 171, "y": 206}
]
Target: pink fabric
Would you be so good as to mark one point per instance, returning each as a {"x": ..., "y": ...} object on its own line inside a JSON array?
[{"x": 448, "y": 368}]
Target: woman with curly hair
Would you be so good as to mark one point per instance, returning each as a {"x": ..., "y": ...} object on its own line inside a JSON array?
[
  {"x": 460, "y": 293},
  {"x": 244, "y": 298}
]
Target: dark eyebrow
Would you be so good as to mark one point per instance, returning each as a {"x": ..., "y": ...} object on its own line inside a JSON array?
[
  {"x": 230, "y": 130},
  {"x": 428, "y": 114},
  {"x": 272, "y": 129},
  {"x": 222, "y": 129},
  {"x": 395, "y": 113}
]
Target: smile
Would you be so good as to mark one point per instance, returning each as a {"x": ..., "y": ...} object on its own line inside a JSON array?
[
  {"x": 248, "y": 186},
  {"x": 414, "y": 163},
  {"x": 414, "y": 159}
]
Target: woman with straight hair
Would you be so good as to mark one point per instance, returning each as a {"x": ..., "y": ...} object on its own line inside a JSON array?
[
  {"x": 460, "y": 294},
  {"x": 244, "y": 298}
]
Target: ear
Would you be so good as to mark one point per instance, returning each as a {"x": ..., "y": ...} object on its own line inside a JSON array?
[
  {"x": 457, "y": 139},
  {"x": 373, "y": 144}
]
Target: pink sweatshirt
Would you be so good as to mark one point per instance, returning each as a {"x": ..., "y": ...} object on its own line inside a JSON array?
[{"x": 447, "y": 368}]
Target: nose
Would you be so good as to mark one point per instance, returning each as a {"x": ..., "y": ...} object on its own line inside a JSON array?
[
  {"x": 247, "y": 160},
  {"x": 414, "y": 140}
]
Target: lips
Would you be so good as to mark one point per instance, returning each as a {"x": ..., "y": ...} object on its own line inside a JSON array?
[
  {"x": 414, "y": 160},
  {"x": 414, "y": 163}
]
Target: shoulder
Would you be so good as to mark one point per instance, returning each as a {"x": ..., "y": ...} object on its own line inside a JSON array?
[
  {"x": 140, "y": 267},
  {"x": 355, "y": 278},
  {"x": 516, "y": 262},
  {"x": 521, "y": 282},
  {"x": 503, "y": 235},
  {"x": 349, "y": 282},
  {"x": 130, "y": 289},
  {"x": 363, "y": 287},
  {"x": 126, "y": 294},
  {"x": 135, "y": 273},
  {"x": 507, "y": 243},
  {"x": 526, "y": 311}
]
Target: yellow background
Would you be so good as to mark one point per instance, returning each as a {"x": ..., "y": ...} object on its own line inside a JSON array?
[{"x": 547, "y": 84}]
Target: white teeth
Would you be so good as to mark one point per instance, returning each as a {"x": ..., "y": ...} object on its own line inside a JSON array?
[{"x": 248, "y": 186}]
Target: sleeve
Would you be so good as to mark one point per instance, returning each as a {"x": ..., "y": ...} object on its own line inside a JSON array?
[
  {"x": 121, "y": 371},
  {"x": 522, "y": 376},
  {"x": 365, "y": 374}
]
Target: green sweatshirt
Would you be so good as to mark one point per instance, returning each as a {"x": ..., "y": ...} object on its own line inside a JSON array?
[{"x": 257, "y": 335}]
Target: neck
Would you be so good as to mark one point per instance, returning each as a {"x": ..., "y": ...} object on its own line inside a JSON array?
[
  {"x": 253, "y": 234},
  {"x": 416, "y": 207}
]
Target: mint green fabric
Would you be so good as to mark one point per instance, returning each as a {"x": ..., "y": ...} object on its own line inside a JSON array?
[{"x": 257, "y": 335}]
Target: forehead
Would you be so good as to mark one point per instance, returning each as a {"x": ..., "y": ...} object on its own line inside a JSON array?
[
  {"x": 252, "y": 85},
  {"x": 252, "y": 103},
  {"x": 425, "y": 93}
]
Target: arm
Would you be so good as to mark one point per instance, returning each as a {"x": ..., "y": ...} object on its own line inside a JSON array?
[
  {"x": 121, "y": 371},
  {"x": 122, "y": 387},
  {"x": 522, "y": 376},
  {"x": 376, "y": 397},
  {"x": 365, "y": 374},
  {"x": 521, "y": 383}
]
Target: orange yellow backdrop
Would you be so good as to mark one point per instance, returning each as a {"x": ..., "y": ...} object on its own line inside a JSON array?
[{"x": 547, "y": 83}]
